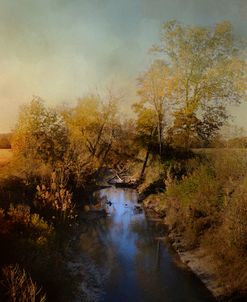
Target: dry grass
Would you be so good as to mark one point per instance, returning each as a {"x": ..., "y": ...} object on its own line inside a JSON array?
[
  {"x": 20, "y": 286},
  {"x": 5, "y": 156},
  {"x": 209, "y": 208}
]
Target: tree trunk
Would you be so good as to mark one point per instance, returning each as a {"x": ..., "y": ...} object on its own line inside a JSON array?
[
  {"x": 148, "y": 152},
  {"x": 160, "y": 139},
  {"x": 145, "y": 163}
]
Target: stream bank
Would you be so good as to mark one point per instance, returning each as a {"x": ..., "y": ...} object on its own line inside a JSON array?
[
  {"x": 198, "y": 260},
  {"x": 123, "y": 258}
]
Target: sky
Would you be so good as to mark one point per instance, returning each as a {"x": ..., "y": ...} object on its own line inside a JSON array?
[{"x": 61, "y": 50}]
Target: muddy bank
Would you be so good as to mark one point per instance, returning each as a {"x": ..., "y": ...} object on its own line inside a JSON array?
[{"x": 198, "y": 260}]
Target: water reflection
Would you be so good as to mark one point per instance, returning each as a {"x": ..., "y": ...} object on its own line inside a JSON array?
[{"x": 124, "y": 248}]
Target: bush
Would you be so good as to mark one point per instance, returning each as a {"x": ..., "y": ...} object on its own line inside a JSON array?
[
  {"x": 193, "y": 204},
  {"x": 19, "y": 285},
  {"x": 55, "y": 201},
  {"x": 30, "y": 240},
  {"x": 34, "y": 230},
  {"x": 234, "y": 226},
  {"x": 228, "y": 242},
  {"x": 208, "y": 206},
  {"x": 40, "y": 133}
]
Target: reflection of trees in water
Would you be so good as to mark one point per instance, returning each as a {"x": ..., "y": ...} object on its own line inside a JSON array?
[
  {"x": 94, "y": 241},
  {"x": 102, "y": 240},
  {"x": 145, "y": 243},
  {"x": 96, "y": 244},
  {"x": 147, "y": 266},
  {"x": 94, "y": 261},
  {"x": 130, "y": 194},
  {"x": 121, "y": 251}
]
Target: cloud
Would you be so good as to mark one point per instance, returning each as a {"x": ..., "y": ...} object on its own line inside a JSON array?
[{"x": 62, "y": 49}]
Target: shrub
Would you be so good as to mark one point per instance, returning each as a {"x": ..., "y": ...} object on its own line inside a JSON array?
[
  {"x": 209, "y": 208},
  {"x": 19, "y": 285},
  {"x": 55, "y": 200},
  {"x": 193, "y": 204},
  {"x": 40, "y": 133},
  {"x": 19, "y": 214},
  {"x": 228, "y": 242},
  {"x": 234, "y": 226},
  {"x": 32, "y": 227}
]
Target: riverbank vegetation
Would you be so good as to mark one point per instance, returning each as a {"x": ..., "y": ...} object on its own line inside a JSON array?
[
  {"x": 58, "y": 154},
  {"x": 206, "y": 209}
]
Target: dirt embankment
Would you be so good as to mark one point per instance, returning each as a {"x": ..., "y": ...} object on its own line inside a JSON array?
[{"x": 197, "y": 259}]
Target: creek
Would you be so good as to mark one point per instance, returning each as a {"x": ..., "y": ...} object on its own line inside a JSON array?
[{"x": 132, "y": 263}]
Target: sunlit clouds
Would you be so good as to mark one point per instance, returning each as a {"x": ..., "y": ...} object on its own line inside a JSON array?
[{"x": 61, "y": 50}]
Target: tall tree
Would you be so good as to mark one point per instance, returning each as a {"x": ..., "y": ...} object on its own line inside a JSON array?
[
  {"x": 154, "y": 92},
  {"x": 146, "y": 132},
  {"x": 207, "y": 74},
  {"x": 92, "y": 125},
  {"x": 40, "y": 133}
]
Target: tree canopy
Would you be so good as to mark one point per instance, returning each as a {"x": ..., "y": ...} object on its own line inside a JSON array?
[
  {"x": 40, "y": 133},
  {"x": 200, "y": 72}
]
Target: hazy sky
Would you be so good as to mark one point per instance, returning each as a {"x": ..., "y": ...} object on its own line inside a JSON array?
[{"x": 62, "y": 49}]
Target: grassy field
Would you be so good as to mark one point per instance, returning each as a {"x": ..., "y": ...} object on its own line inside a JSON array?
[{"x": 5, "y": 156}]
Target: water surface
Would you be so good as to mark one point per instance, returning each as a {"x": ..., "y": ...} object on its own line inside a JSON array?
[{"x": 124, "y": 248}]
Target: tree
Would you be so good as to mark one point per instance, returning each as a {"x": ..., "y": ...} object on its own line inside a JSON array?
[
  {"x": 40, "y": 133},
  {"x": 93, "y": 131},
  {"x": 93, "y": 121},
  {"x": 154, "y": 92},
  {"x": 146, "y": 131},
  {"x": 206, "y": 74}
]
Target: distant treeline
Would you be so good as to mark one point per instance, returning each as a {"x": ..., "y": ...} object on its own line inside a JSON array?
[
  {"x": 5, "y": 141},
  {"x": 221, "y": 142},
  {"x": 236, "y": 142}
]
